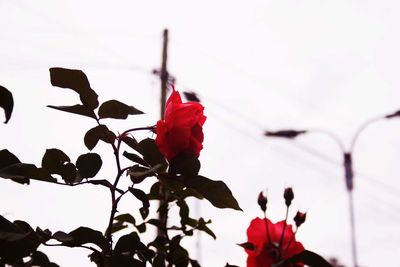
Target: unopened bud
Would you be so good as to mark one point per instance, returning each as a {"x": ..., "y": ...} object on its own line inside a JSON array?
[
  {"x": 288, "y": 195},
  {"x": 262, "y": 201},
  {"x": 300, "y": 218}
]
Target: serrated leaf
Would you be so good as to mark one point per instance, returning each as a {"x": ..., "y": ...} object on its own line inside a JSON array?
[
  {"x": 88, "y": 165},
  {"x": 100, "y": 132},
  {"x": 76, "y": 109},
  {"x": 117, "y": 110},
  {"x": 216, "y": 192},
  {"x": 77, "y": 81},
  {"x": 6, "y": 102}
]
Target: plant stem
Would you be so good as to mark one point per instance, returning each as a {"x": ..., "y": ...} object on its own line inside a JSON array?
[{"x": 284, "y": 228}]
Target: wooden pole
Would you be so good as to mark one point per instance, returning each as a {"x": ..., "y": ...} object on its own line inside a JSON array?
[{"x": 163, "y": 214}]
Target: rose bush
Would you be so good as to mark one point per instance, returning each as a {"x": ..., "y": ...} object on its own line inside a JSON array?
[
  {"x": 268, "y": 248},
  {"x": 181, "y": 129}
]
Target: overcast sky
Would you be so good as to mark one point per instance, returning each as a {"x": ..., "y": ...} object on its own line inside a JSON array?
[{"x": 256, "y": 65}]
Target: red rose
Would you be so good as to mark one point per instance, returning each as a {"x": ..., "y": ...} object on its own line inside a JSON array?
[
  {"x": 267, "y": 252},
  {"x": 181, "y": 130}
]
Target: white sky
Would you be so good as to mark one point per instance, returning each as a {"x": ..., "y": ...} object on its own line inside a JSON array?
[{"x": 256, "y": 65}]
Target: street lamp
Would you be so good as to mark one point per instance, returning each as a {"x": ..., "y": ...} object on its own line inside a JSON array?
[{"x": 347, "y": 153}]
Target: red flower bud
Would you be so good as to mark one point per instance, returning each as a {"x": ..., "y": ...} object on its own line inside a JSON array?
[
  {"x": 300, "y": 218},
  {"x": 181, "y": 130},
  {"x": 262, "y": 201},
  {"x": 288, "y": 195}
]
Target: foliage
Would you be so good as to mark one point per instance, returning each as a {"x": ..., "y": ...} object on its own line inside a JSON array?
[{"x": 175, "y": 181}]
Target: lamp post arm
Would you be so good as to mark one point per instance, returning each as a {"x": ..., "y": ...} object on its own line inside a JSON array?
[{"x": 361, "y": 129}]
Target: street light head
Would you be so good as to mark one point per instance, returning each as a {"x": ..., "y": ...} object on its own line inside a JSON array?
[
  {"x": 290, "y": 134},
  {"x": 395, "y": 114}
]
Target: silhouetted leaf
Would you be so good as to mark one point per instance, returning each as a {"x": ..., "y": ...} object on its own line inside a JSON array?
[
  {"x": 129, "y": 243},
  {"x": 7, "y": 158},
  {"x": 77, "y": 81},
  {"x": 6, "y": 102},
  {"x": 307, "y": 257},
  {"x": 54, "y": 160},
  {"x": 140, "y": 195},
  {"x": 97, "y": 133},
  {"x": 43, "y": 235},
  {"x": 228, "y": 265},
  {"x": 185, "y": 164},
  {"x": 84, "y": 235},
  {"x": 150, "y": 152},
  {"x": 214, "y": 191},
  {"x": 247, "y": 245},
  {"x": 131, "y": 142},
  {"x": 202, "y": 226},
  {"x": 116, "y": 110},
  {"x": 76, "y": 109},
  {"x": 62, "y": 237},
  {"x": 194, "y": 263},
  {"x": 18, "y": 172},
  {"x": 135, "y": 158},
  {"x": 138, "y": 174},
  {"x": 88, "y": 165},
  {"x": 126, "y": 218}
]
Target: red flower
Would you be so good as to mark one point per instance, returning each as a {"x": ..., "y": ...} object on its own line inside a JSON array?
[
  {"x": 181, "y": 130},
  {"x": 266, "y": 250}
]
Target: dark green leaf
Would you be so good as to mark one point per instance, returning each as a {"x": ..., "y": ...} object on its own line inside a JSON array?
[
  {"x": 7, "y": 158},
  {"x": 62, "y": 237},
  {"x": 126, "y": 217},
  {"x": 18, "y": 172},
  {"x": 180, "y": 257},
  {"x": 214, "y": 191},
  {"x": 97, "y": 133},
  {"x": 41, "y": 174},
  {"x": 131, "y": 142},
  {"x": 6, "y": 102},
  {"x": 202, "y": 226},
  {"x": 89, "y": 165},
  {"x": 54, "y": 160},
  {"x": 13, "y": 236},
  {"x": 117, "y": 110},
  {"x": 307, "y": 257},
  {"x": 185, "y": 164},
  {"x": 76, "y": 109},
  {"x": 150, "y": 152},
  {"x": 77, "y": 81},
  {"x": 43, "y": 235},
  {"x": 40, "y": 259},
  {"x": 247, "y": 245},
  {"x": 83, "y": 235},
  {"x": 159, "y": 261},
  {"x": 118, "y": 226},
  {"x": 135, "y": 158},
  {"x": 129, "y": 243},
  {"x": 194, "y": 263},
  {"x": 140, "y": 195},
  {"x": 138, "y": 174}
]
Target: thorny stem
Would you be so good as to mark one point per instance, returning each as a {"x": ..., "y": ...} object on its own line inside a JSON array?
[{"x": 114, "y": 201}]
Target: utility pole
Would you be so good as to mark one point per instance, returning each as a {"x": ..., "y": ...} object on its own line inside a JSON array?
[{"x": 163, "y": 215}]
